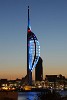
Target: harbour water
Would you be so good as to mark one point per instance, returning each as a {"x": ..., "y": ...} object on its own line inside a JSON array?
[
  {"x": 34, "y": 95},
  {"x": 63, "y": 93},
  {"x": 29, "y": 95}
]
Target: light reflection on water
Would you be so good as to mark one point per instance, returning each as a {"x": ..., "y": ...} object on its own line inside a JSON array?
[
  {"x": 63, "y": 93},
  {"x": 29, "y": 95},
  {"x": 35, "y": 95}
]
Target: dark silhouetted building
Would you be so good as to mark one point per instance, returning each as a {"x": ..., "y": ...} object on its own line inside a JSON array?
[
  {"x": 56, "y": 81},
  {"x": 39, "y": 70},
  {"x": 55, "y": 78},
  {"x": 51, "y": 78}
]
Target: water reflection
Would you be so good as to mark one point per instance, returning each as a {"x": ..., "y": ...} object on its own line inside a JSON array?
[{"x": 29, "y": 95}]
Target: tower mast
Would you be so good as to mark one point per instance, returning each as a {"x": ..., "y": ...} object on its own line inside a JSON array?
[{"x": 29, "y": 27}]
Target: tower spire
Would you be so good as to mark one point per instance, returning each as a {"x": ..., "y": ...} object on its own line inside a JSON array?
[{"x": 29, "y": 27}]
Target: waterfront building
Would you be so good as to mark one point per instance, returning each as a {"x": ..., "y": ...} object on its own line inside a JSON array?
[
  {"x": 56, "y": 81},
  {"x": 33, "y": 51}
]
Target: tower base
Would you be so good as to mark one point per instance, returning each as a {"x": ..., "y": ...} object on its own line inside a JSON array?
[{"x": 29, "y": 75}]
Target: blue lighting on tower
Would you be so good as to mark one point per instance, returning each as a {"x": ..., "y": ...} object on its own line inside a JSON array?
[{"x": 33, "y": 51}]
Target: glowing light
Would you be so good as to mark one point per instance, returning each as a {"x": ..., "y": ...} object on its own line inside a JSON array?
[
  {"x": 27, "y": 87},
  {"x": 4, "y": 88},
  {"x": 29, "y": 30},
  {"x": 34, "y": 51}
]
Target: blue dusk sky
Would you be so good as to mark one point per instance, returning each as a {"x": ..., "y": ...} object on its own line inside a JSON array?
[{"x": 48, "y": 19}]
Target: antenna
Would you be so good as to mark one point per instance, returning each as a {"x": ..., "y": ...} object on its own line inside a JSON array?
[{"x": 29, "y": 27}]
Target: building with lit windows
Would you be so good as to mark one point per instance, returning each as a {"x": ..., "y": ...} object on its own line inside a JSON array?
[{"x": 33, "y": 51}]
